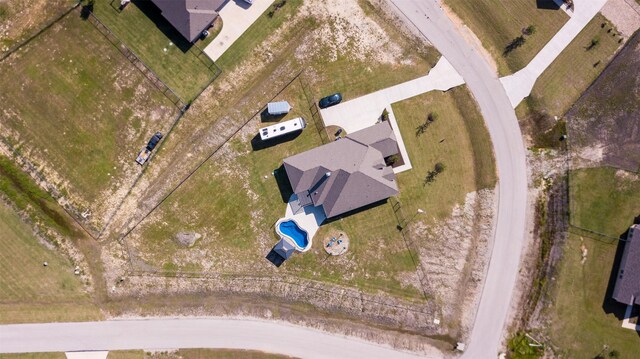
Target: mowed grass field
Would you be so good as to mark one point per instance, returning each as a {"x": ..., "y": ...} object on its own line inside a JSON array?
[
  {"x": 159, "y": 45},
  {"x": 497, "y": 23},
  {"x": 76, "y": 107},
  {"x": 20, "y": 19},
  {"x": 604, "y": 199},
  {"x": 31, "y": 292},
  {"x": 584, "y": 317},
  {"x": 562, "y": 83}
]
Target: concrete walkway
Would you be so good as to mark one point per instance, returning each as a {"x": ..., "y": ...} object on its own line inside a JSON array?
[
  {"x": 87, "y": 355},
  {"x": 364, "y": 111},
  {"x": 519, "y": 85},
  {"x": 236, "y": 16}
]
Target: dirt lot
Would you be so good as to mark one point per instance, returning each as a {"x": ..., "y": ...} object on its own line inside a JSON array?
[{"x": 603, "y": 125}]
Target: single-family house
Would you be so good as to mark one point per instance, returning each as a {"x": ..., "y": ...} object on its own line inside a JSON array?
[
  {"x": 346, "y": 174},
  {"x": 627, "y": 288},
  {"x": 190, "y": 17}
]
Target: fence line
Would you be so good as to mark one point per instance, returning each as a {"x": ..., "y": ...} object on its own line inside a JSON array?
[
  {"x": 47, "y": 25},
  {"x": 137, "y": 62},
  {"x": 316, "y": 117}
]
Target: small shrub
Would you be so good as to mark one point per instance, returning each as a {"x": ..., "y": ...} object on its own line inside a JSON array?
[
  {"x": 439, "y": 167},
  {"x": 594, "y": 42},
  {"x": 385, "y": 115},
  {"x": 529, "y": 30}
]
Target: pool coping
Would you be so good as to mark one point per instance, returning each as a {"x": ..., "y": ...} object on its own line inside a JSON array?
[{"x": 291, "y": 240}]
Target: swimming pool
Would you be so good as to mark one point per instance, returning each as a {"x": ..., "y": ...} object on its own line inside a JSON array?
[{"x": 289, "y": 229}]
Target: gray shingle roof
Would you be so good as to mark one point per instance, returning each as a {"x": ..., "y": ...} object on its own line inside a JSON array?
[
  {"x": 347, "y": 174},
  {"x": 627, "y": 289},
  {"x": 189, "y": 17}
]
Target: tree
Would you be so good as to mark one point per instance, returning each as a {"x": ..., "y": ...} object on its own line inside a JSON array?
[
  {"x": 385, "y": 115},
  {"x": 431, "y": 118},
  {"x": 529, "y": 30},
  {"x": 594, "y": 42}
]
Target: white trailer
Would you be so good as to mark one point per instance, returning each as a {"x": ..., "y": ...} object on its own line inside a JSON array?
[
  {"x": 278, "y": 108},
  {"x": 279, "y": 129}
]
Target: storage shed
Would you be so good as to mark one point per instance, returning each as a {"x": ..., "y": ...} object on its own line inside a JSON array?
[{"x": 278, "y": 108}]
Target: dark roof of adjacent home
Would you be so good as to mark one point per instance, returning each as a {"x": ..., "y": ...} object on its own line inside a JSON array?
[
  {"x": 189, "y": 17},
  {"x": 346, "y": 174},
  {"x": 627, "y": 289}
]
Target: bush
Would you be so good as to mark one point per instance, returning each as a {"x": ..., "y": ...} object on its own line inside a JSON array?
[
  {"x": 385, "y": 115},
  {"x": 594, "y": 42},
  {"x": 529, "y": 30},
  {"x": 439, "y": 167}
]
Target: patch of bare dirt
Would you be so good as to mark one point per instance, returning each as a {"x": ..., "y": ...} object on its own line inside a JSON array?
[{"x": 454, "y": 259}]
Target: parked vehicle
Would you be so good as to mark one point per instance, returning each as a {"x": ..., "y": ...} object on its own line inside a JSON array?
[
  {"x": 279, "y": 129},
  {"x": 330, "y": 100},
  {"x": 144, "y": 154}
]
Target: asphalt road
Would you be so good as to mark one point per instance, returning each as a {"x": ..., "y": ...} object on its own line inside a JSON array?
[
  {"x": 171, "y": 333},
  {"x": 501, "y": 121}
]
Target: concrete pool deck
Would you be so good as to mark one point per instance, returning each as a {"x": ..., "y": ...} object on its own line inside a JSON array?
[{"x": 308, "y": 218}]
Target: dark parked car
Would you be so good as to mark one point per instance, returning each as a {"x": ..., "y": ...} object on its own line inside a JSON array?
[
  {"x": 330, "y": 100},
  {"x": 154, "y": 141}
]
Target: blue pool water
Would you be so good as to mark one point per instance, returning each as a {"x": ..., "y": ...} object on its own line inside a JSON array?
[{"x": 291, "y": 230}]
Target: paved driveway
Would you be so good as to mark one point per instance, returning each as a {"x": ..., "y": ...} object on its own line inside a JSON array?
[
  {"x": 236, "y": 16},
  {"x": 364, "y": 111},
  {"x": 520, "y": 84}
]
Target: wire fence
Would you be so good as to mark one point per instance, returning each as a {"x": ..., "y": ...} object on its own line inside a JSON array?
[
  {"x": 137, "y": 62},
  {"x": 316, "y": 117},
  {"x": 42, "y": 29}
]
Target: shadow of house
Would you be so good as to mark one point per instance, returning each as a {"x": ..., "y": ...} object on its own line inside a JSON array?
[
  {"x": 547, "y": 5},
  {"x": 258, "y": 144},
  {"x": 284, "y": 185},
  {"x": 356, "y": 211}
]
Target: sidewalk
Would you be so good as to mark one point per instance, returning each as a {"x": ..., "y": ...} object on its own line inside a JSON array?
[
  {"x": 364, "y": 111},
  {"x": 519, "y": 85}
]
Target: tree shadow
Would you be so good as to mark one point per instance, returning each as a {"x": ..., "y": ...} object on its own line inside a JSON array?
[
  {"x": 258, "y": 144},
  {"x": 86, "y": 10},
  {"x": 547, "y": 5},
  {"x": 284, "y": 185},
  {"x": 275, "y": 258},
  {"x": 154, "y": 14}
]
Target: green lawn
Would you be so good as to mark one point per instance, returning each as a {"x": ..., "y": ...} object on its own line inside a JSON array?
[
  {"x": 143, "y": 29},
  {"x": 562, "y": 83},
  {"x": 466, "y": 151},
  {"x": 497, "y": 23},
  {"x": 604, "y": 199},
  {"x": 30, "y": 292},
  {"x": 79, "y": 110},
  {"x": 580, "y": 326}
]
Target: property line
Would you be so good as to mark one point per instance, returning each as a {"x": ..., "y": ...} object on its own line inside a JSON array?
[
  {"x": 40, "y": 31},
  {"x": 227, "y": 139}
]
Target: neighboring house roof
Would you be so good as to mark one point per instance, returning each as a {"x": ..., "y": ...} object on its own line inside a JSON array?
[
  {"x": 346, "y": 174},
  {"x": 189, "y": 17},
  {"x": 627, "y": 289}
]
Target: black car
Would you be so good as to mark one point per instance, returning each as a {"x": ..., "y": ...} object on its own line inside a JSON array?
[
  {"x": 330, "y": 100},
  {"x": 154, "y": 141}
]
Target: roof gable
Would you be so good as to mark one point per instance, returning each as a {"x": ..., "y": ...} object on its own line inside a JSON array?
[{"x": 189, "y": 17}]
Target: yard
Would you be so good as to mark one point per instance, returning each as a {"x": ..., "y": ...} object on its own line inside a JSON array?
[
  {"x": 20, "y": 19},
  {"x": 562, "y": 83},
  {"x": 178, "y": 63},
  {"x": 29, "y": 291},
  {"x": 584, "y": 318},
  {"x": 80, "y": 111},
  {"x": 498, "y": 23},
  {"x": 604, "y": 199}
]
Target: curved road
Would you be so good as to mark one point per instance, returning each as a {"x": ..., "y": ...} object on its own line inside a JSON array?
[
  {"x": 501, "y": 121},
  {"x": 171, "y": 333},
  {"x": 277, "y": 337}
]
